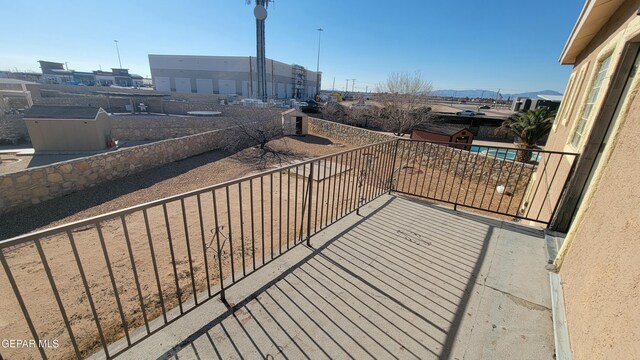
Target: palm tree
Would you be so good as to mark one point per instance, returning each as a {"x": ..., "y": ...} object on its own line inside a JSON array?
[{"x": 529, "y": 127}]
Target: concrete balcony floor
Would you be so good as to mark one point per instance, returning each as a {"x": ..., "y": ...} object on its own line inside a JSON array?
[{"x": 406, "y": 279}]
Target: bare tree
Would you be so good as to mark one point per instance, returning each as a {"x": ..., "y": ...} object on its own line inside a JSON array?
[
  {"x": 404, "y": 99},
  {"x": 362, "y": 116},
  {"x": 334, "y": 112},
  {"x": 256, "y": 129}
]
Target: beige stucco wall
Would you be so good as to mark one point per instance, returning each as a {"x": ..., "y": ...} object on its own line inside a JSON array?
[
  {"x": 599, "y": 263},
  {"x": 601, "y": 271},
  {"x": 623, "y": 26}
]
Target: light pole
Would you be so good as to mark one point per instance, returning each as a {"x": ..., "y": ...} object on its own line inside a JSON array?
[
  {"x": 318, "y": 64},
  {"x": 118, "y": 50}
]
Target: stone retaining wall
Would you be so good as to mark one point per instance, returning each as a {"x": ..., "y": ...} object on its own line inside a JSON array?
[
  {"x": 464, "y": 164},
  {"x": 32, "y": 186},
  {"x": 347, "y": 134},
  {"x": 159, "y": 127},
  {"x": 13, "y": 130}
]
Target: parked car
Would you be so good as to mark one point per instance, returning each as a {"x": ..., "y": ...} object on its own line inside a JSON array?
[
  {"x": 309, "y": 106},
  {"x": 467, "y": 113},
  {"x": 485, "y": 107}
]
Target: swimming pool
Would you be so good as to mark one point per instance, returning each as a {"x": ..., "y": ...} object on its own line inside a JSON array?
[{"x": 508, "y": 154}]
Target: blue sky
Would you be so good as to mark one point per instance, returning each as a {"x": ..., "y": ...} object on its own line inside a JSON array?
[{"x": 463, "y": 44}]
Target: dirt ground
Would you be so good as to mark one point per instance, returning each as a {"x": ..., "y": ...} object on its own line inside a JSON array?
[{"x": 134, "y": 271}]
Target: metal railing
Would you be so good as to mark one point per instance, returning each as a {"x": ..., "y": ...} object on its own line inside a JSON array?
[
  {"x": 106, "y": 283},
  {"x": 518, "y": 183},
  {"x": 108, "y": 275}
]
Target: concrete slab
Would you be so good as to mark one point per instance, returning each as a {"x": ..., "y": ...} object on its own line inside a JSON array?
[{"x": 404, "y": 280}]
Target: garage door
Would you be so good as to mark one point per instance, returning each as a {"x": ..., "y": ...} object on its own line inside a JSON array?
[
  {"x": 162, "y": 83},
  {"x": 183, "y": 85},
  {"x": 227, "y": 87},
  {"x": 204, "y": 86}
]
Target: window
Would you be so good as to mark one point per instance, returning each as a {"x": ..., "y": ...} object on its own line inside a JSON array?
[
  {"x": 590, "y": 102},
  {"x": 572, "y": 95}
]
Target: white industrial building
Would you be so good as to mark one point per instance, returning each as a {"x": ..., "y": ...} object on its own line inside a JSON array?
[{"x": 229, "y": 75}]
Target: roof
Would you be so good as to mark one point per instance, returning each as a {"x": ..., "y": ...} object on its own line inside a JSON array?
[
  {"x": 557, "y": 98},
  {"x": 441, "y": 128},
  {"x": 61, "y": 112},
  {"x": 16, "y": 81},
  {"x": 593, "y": 17}
]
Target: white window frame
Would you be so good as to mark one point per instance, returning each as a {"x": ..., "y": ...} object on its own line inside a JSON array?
[{"x": 593, "y": 97}]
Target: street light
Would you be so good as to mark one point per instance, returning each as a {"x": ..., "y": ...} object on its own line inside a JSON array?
[
  {"x": 118, "y": 50},
  {"x": 320, "y": 30}
]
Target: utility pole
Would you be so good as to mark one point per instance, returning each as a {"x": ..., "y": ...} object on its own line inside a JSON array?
[
  {"x": 353, "y": 84},
  {"x": 497, "y": 94},
  {"x": 346, "y": 87},
  {"x": 260, "y": 14},
  {"x": 318, "y": 63},
  {"x": 118, "y": 50},
  {"x": 333, "y": 87}
]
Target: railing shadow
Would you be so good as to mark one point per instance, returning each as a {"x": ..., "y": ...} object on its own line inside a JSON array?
[{"x": 368, "y": 291}]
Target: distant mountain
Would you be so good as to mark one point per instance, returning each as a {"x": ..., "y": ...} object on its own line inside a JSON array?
[{"x": 490, "y": 94}]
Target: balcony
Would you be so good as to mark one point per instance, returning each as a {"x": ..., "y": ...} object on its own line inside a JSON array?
[{"x": 334, "y": 257}]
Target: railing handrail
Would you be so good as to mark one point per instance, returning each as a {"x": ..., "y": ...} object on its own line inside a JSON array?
[
  {"x": 491, "y": 146},
  {"x": 126, "y": 211}
]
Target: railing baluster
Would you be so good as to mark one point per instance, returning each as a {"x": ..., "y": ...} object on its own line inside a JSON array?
[
  {"x": 544, "y": 169},
  {"x": 315, "y": 216},
  {"x": 310, "y": 184},
  {"x": 303, "y": 206},
  {"x": 455, "y": 152},
  {"x": 189, "y": 257},
  {"x": 515, "y": 189},
  {"x": 486, "y": 158},
  {"x": 113, "y": 281},
  {"x": 155, "y": 265},
  {"x": 244, "y": 272},
  {"x": 358, "y": 183},
  {"x": 233, "y": 269},
  {"x": 295, "y": 207},
  {"x": 288, "y": 204},
  {"x": 135, "y": 273},
  {"x": 173, "y": 258},
  {"x": 219, "y": 249},
  {"x": 23, "y": 307},
  {"x": 280, "y": 213},
  {"x": 506, "y": 184},
  {"x": 324, "y": 182},
  {"x": 253, "y": 232},
  {"x": 549, "y": 187},
  {"x": 393, "y": 166},
  {"x": 87, "y": 291},
  {"x": 56, "y": 294},
  {"x": 204, "y": 246},
  {"x": 271, "y": 210},
  {"x": 473, "y": 171},
  {"x": 426, "y": 170},
  {"x": 334, "y": 175},
  {"x": 343, "y": 181},
  {"x": 502, "y": 163}
]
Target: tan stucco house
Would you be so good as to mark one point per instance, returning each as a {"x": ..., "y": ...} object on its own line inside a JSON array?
[{"x": 599, "y": 261}]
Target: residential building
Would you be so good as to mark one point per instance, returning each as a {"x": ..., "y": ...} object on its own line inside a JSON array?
[
  {"x": 230, "y": 75},
  {"x": 56, "y": 73},
  {"x": 600, "y": 207}
]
